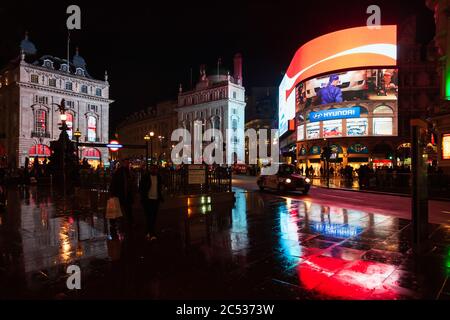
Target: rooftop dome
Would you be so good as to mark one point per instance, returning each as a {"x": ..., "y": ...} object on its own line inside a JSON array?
[
  {"x": 27, "y": 46},
  {"x": 78, "y": 61}
]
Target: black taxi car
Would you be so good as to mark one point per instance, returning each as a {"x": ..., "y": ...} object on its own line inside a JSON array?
[{"x": 286, "y": 179}]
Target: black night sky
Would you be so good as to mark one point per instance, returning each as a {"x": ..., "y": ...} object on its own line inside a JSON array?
[{"x": 148, "y": 48}]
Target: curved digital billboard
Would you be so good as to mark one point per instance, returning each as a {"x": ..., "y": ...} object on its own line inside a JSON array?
[{"x": 346, "y": 49}]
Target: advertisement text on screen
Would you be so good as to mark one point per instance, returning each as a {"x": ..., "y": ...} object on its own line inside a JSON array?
[{"x": 343, "y": 113}]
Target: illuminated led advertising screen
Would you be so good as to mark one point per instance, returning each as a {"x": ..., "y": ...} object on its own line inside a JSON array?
[
  {"x": 353, "y": 85},
  {"x": 349, "y": 49},
  {"x": 312, "y": 131},
  {"x": 332, "y": 128},
  {"x": 357, "y": 127}
]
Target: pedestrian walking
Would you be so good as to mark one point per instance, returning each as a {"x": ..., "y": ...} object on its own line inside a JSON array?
[
  {"x": 123, "y": 187},
  {"x": 151, "y": 196}
]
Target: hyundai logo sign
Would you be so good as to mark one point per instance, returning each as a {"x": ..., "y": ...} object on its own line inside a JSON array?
[{"x": 343, "y": 113}]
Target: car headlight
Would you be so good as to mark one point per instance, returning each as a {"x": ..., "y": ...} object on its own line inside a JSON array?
[
  {"x": 307, "y": 180},
  {"x": 288, "y": 180}
]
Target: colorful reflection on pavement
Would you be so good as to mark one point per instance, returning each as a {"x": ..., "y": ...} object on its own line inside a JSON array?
[{"x": 265, "y": 246}]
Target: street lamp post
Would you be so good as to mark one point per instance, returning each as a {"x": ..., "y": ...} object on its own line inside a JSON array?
[
  {"x": 161, "y": 138},
  {"x": 63, "y": 116},
  {"x": 151, "y": 146},
  {"x": 146, "y": 138},
  {"x": 77, "y": 135}
]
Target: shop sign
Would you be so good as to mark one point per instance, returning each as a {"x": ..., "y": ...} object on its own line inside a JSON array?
[
  {"x": 358, "y": 148},
  {"x": 303, "y": 152},
  {"x": 314, "y": 150},
  {"x": 333, "y": 114}
]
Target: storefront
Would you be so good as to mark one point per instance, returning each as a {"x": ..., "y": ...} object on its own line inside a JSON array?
[
  {"x": 314, "y": 160},
  {"x": 39, "y": 152},
  {"x": 358, "y": 155},
  {"x": 92, "y": 155}
]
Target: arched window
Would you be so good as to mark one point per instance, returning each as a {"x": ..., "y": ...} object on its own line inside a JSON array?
[
  {"x": 383, "y": 122},
  {"x": 69, "y": 123},
  {"x": 383, "y": 110},
  {"x": 216, "y": 123},
  {"x": 40, "y": 122},
  {"x": 91, "y": 128},
  {"x": 39, "y": 150}
]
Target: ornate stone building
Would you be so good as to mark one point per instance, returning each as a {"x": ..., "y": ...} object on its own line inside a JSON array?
[
  {"x": 29, "y": 89},
  {"x": 218, "y": 102}
]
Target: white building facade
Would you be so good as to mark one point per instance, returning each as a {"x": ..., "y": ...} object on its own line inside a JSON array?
[
  {"x": 29, "y": 90},
  {"x": 217, "y": 102}
]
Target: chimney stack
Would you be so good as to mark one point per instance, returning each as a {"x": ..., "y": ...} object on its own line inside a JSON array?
[{"x": 238, "y": 68}]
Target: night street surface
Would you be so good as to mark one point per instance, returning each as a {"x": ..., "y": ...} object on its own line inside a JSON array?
[{"x": 326, "y": 245}]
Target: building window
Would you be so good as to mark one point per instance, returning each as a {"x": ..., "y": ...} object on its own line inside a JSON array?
[
  {"x": 84, "y": 89},
  {"x": 48, "y": 64},
  {"x": 40, "y": 122},
  {"x": 63, "y": 67},
  {"x": 69, "y": 123},
  {"x": 383, "y": 110},
  {"x": 52, "y": 82},
  {"x": 216, "y": 123},
  {"x": 34, "y": 78},
  {"x": 70, "y": 104},
  {"x": 234, "y": 94},
  {"x": 98, "y": 92},
  {"x": 92, "y": 107},
  {"x": 68, "y": 85},
  {"x": 234, "y": 124},
  {"x": 79, "y": 72},
  {"x": 92, "y": 128},
  {"x": 40, "y": 100}
]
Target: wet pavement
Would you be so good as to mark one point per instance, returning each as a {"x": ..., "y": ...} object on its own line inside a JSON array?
[{"x": 264, "y": 247}]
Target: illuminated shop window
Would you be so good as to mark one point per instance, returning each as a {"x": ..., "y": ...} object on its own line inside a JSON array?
[{"x": 382, "y": 126}]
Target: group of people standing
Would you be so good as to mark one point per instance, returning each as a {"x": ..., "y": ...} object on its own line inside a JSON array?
[{"x": 124, "y": 186}]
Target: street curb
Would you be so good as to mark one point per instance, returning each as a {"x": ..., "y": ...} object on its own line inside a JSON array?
[{"x": 378, "y": 192}]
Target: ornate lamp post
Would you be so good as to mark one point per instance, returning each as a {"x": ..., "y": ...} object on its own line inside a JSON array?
[{"x": 147, "y": 139}]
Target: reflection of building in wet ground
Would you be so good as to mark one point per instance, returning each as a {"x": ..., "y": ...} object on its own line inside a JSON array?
[
  {"x": 44, "y": 243},
  {"x": 263, "y": 246}
]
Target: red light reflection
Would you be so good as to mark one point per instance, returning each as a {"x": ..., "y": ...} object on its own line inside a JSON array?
[{"x": 341, "y": 279}]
